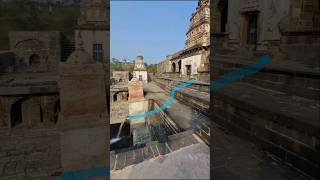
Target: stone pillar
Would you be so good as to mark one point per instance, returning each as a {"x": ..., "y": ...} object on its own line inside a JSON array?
[
  {"x": 204, "y": 69},
  {"x": 84, "y": 131},
  {"x": 138, "y": 105}
]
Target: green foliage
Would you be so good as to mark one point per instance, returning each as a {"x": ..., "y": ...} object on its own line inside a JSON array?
[
  {"x": 27, "y": 15},
  {"x": 117, "y": 65},
  {"x": 152, "y": 68}
]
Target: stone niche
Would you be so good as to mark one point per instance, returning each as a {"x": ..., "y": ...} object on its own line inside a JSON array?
[{"x": 84, "y": 112}]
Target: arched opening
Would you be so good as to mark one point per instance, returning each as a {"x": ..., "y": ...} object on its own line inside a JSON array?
[
  {"x": 34, "y": 60},
  {"x": 115, "y": 97},
  {"x": 173, "y": 67},
  {"x": 179, "y": 65},
  {"x": 16, "y": 113}
]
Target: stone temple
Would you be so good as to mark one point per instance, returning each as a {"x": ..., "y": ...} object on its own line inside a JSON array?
[
  {"x": 139, "y": 70},
  {"x": 193, "y": 60}
]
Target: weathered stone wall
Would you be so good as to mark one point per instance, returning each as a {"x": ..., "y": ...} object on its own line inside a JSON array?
[
  {"x": 90, "y": 37},
  {"x": 36, "y": 50},
  {"x": 121, "y": 76},
  {"x": 6, "y": 62},
  {"x": 36, "y": 111},
  {"x": 119, "y": 111},
  {"x": 164, "y": 66},
  {"x": 29, "y": 153},
  {"x": 277, "y": 107},
  {"x": 293, "y": 141}
]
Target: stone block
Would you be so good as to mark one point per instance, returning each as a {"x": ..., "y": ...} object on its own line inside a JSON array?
[
  {"x": 135, "y": 91},
  {"x": 84, "y": 148}
]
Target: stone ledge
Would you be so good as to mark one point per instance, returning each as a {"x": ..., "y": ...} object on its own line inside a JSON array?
[
  {"x": 301, "y": 115},
  {"x": 22, "y": 90},
  {"x": 283, "y": 67}
]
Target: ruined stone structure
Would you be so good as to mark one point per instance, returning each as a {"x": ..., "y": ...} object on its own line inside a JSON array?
[
  {"x": 193, "y": 61},
  {"x": 93, "y": 29},
  {"x": 120, "y": 76},
  {"x": 140, "y": 70},
  {"x": 35, "y": 51},
  {"x": 278, "y": 107},
  {"x": 30, "y": 106},
  {"x": 46, "y": 107}
]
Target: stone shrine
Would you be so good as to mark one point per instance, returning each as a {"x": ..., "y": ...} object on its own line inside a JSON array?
[{"x": 140, "y": 70}]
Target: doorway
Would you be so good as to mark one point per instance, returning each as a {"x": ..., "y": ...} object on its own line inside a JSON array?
[
  {"x": 188, "y": 70},
  {"x": 223, "y": 7},
  {"x": 252, "y": 29}
]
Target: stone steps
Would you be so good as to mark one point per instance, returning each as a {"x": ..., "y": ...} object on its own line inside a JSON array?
[
  {"x": 284, "y": 125},
  {"x": 130, "y": 156},
  {"x": 296, "y": 81},
  {"x": 182, "y": 139},
  {"x": 137, "y": 155}
]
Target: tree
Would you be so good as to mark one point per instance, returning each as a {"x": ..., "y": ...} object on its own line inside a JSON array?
[{"x": 152, "y": 68}]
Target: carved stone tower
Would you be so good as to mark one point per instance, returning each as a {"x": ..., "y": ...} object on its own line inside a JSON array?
[{"x": 199, "y": 29}]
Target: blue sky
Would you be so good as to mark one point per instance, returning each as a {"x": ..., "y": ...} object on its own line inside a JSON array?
[{"x": 155, "y": 28}]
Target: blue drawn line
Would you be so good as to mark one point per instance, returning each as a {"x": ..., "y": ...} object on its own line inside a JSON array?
[
  {"x": 85, "y": 174},
  {"x": 215, "y": 85},
  {"x": 239, "y": 74},
  {"x": 164, "y": 106}
]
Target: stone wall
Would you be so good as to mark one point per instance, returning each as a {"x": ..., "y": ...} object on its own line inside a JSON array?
[
  {"x": 91, "y": 37},
  {"x": 277, "y": 107},
  {"x": 119, "y": 111},
  {"x": 29, "y": 153},
  {"x": 6, "y": 62},
  {"x": 293, "y": 141},
  {"x": 35, "y": 111},
  {"x": 36, "y": 51},
  {"x": 121, "y": 76}
]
